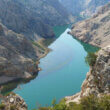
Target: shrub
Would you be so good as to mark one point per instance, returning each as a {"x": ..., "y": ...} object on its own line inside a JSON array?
[
  {"x": 54, "y": 102},
  {"x": 12, "y": 107},
  {"x": 89, "y": 103},
  {"x": 104, "y": 103},
  {"x": 2, "y": 106},
  {"x": 44, "y": 108},
  {"x": 86, "y": 103},
  {"x": 91, "y": 59}
]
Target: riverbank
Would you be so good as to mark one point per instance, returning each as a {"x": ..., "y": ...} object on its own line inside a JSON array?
[{"x": 70, "y": 32}]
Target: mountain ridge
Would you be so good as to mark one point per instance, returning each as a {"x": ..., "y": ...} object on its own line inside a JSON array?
[
  {"x": 96, "y": 30},
  {"x": 32, "y": 18}
]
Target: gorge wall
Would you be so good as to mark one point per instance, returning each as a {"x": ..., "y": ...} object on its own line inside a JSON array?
[
  {"x": 17, "y": 56},
  {"x": 97, "y": 81},
  {"x": 22, "y": 24}
]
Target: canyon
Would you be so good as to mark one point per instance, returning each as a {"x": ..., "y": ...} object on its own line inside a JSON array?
[
  {"x": 97, "y": 80},
  {"x": 27, "y": 25},
  {"x": 23, "y": 24}
]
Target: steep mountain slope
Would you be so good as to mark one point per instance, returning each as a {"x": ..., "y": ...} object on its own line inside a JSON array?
[
  {"x": 50, "y": 11},
  {"x": 96, "y": 30},
  {"x": 83, "y": 7},
  {"x": 16, "y": 56},
  {"x": 33, "y": 18}
]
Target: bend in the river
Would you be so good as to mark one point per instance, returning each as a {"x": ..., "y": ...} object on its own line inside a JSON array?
[{"x": 63, "y": 71}]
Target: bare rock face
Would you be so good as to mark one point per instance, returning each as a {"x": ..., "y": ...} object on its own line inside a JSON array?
[
  {"x": 97, "y": 81},
  {"x": 13, "y": 102},
  {"x": 96, "y": 30},
  {"x": 17, "y": 56}
]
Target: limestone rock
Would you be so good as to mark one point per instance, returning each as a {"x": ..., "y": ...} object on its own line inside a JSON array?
[
  {"x": 96, "y": 30},
  {"x": 14, "y": 101}
]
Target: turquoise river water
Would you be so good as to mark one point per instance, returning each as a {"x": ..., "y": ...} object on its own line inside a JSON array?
[{"x": 63, "y": 71}]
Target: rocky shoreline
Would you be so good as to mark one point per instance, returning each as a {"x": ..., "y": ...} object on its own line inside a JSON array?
[{"x": 13, "y": 102}]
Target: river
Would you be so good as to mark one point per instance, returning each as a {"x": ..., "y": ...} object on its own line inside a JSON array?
[{"x": 63, "y": 71}]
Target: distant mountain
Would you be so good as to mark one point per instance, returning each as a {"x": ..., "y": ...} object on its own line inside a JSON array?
[
  {"x": 92, "y": 6},
  {"x": 33, "y": 18},
  {"x": 96, "y": 30},
  {"x": 83, "y": 7}
]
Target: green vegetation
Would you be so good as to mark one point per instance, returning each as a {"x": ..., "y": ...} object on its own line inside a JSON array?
[
  {"x": 91, "y": 59},
  {"x": 12, "y": 107},
  {"x": 87, "y": 103},
  {"x": 8, "y": 87},
  {"x": 38, "y": 45},
  {"x": 2, "y": 106},
  {"x": 48, "y": 41}
]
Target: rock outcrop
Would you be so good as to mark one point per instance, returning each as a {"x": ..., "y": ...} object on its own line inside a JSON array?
[
  {"x": 97, "y": 81},
  {"x": 96, "y": 30},
  {"x": 17, "y": 56},
  {"x": 13, "y": 102}
]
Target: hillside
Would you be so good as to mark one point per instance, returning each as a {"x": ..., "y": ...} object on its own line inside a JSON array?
[
  {"x": 33, "y": 18},
  {"x": 16, "y": 56},
  {"x": 97, "y": 80},
  {"x": 96, "y": 30}
]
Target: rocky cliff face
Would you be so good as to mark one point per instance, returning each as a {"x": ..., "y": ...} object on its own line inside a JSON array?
[
  {"x": 22, "y": 22},
  {"x": 97, "y": 81},
  {"x": 33, "y": 18},
  {"x": 17, "y": 56},
  {"x": 96, "y": 30}
]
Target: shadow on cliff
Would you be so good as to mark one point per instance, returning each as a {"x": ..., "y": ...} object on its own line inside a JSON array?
[
  {"x": 87, "y": 47},
  {"x": 9, "y": 87}
]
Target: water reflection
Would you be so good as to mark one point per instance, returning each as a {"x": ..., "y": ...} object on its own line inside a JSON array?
[{"x": 9, "y": 87}]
